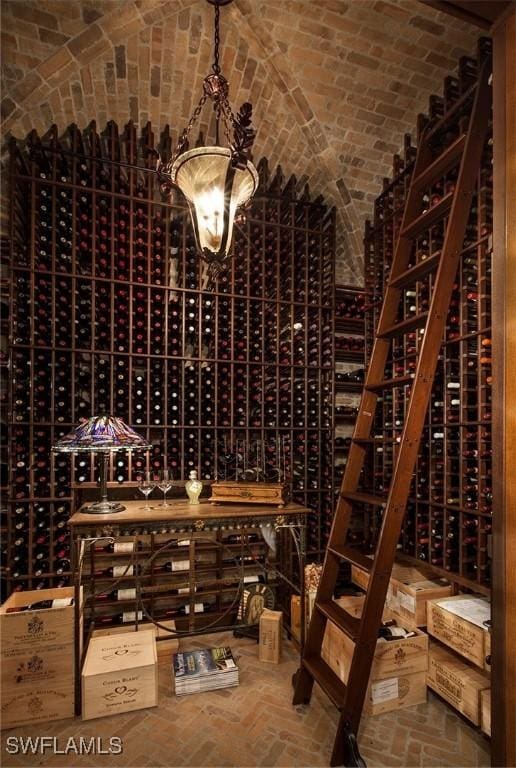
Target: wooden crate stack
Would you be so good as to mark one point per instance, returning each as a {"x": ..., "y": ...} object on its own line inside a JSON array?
[
  {"x": 37, "y": 659},
  {"x": 459, "y": 658}
]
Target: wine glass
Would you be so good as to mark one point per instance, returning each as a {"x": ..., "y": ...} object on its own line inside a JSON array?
[
  {"x": 146, "y": 486},
  {"x": 165, "y": 484}
]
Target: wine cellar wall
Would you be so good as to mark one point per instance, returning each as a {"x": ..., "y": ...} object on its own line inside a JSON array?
[
  {"x": 110, "y": 314},
  {"x": 448, "y": 520}
]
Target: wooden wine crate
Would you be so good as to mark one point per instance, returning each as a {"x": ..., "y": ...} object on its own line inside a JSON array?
[
  {"x": 39, "y": 703},
  {"x": 164, "y": 647},
  {"x": 409, "y": 590},
  {"x": 458, "y": 682},
  {"x": 120, "y": 674},
  {"x": 295, "y": 617},
  {"x": 467, "y": 638},
  {"x": 487, "y": 650},
  {"x": 248, "y": 493},
  {"x": 398, "y": 671},
  {"x": 485, "y": 711},
  {"x": 38, "y": 630},
  {"x": 37, "y": 659}
]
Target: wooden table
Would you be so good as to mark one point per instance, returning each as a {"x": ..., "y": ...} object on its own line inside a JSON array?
[{"x": 181, "y": 516}]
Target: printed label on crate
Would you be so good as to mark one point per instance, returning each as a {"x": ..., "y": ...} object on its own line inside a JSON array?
[
  {"x": 30, "y": 632},
  {"x": 183, "y": 542},
  {"x": 408, "y": 602},
  {"x": 180, "y": 565},
  {"x": 126, "y": 594},
  {"x": 384, "y": 690},
  {"x": 34, "y": 669},
  {"x": 39, "y": 704},
  {"x": 123, "y": 547},
  {"x": 123, "y": 570}
]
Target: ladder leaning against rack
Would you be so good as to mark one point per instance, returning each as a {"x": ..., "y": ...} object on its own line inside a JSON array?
[{"x": 465, "y": 153}]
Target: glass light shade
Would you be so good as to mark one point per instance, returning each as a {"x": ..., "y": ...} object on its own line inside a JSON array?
[
  {"x": 214, "y": 190},
  {"x": 101, "y": 433}
]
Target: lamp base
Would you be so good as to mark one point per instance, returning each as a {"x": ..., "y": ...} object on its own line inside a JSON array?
[{"x": 103, "y": 508}]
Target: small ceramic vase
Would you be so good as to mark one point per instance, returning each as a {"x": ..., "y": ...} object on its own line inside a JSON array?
[{"x": 193, "y": 487}]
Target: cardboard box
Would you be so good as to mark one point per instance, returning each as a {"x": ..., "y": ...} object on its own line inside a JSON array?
[
  {"x": 410, "y": 588},
  {"x": 463, "y": 635},
  {"x": 485, "y": 711},
  {"x": 458, "y": 682},
  {"x": 269, "y": 645},
  {"x": 120, "y": 674},
  {"x": 164, "y": 648},
  {"x": 398, "y": 673}
]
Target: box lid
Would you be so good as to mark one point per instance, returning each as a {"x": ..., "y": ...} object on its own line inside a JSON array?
[
  {"x": 473, "y": 608},
  {"x": 111, "y": 653}
]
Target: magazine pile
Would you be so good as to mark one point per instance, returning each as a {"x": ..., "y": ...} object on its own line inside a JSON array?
[{"x": 205, "y": 670}]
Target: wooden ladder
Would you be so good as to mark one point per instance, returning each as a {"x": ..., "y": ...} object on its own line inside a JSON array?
[{"x": 465, "y": 152}]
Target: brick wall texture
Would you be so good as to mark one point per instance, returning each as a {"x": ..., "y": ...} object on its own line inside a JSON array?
[{"x": 334, "y": 83}]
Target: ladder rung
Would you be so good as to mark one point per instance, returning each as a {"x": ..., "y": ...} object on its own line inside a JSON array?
[
  {"x": 428, "y": 218},
  {"x": 353, "y": 556},
  {"x": 364, "y": 498},
  {"x": 406, "y": 326},
  {"x": 342, "y": 619},
  {"x": 323, "y": 674},
  {"x": 397, "y": 381},
  {"x": 441, "y": 164},
  {"x": 416, "y": 272},
  {"x": 375, "y": 440},
  {"x": 450, "y": 114}
]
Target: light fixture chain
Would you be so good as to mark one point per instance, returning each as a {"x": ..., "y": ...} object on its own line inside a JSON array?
[
  {"x": 216, "y": 66},
  {"x": 186, "y": 132}
]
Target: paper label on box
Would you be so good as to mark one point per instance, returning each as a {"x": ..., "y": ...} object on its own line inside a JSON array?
[
  {"x": 62, "y": 602},
  {"x": 250, "y": 579},
  {"x": 198, "y": 608},
  {"x": 474, "y": 609},
  {"x": 123, "y": 546},
  {"x": 185, "y": 590},
  {"x": 126, "y": 594},
  {"x": 180, "y": 565},
  {"x": 123, "y": 570},
  {"x": 131, "y": 616},
  {"x": 392, "y": 600},
  {"x": 384, "y": 690},
  {"x": 408, "y": 602},
  {"x": 183, "y": 542}
]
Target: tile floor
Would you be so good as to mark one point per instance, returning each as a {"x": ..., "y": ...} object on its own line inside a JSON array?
[{"x": 256, "y": 725}]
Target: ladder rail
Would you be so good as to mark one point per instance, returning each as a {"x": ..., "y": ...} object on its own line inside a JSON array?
[{"x": 418, "y": 403}]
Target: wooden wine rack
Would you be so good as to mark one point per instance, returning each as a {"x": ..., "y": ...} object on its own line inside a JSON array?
[
  {"x": 448, "y": 521},
  {"x": 109, "y": 313},
  {"x": 349, "y": 376}
]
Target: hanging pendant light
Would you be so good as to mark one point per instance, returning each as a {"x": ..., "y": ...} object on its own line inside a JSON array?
[{"x": 215, "y": 180}]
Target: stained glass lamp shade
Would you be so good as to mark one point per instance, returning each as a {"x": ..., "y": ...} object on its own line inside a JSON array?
[{"x": 102, "y": 435}]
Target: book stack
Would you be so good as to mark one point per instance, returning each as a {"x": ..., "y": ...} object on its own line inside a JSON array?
[{"x": 205, "y": 670}]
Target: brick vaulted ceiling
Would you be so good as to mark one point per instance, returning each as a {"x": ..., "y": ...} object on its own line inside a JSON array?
[{"x": 334, "y": 83}]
